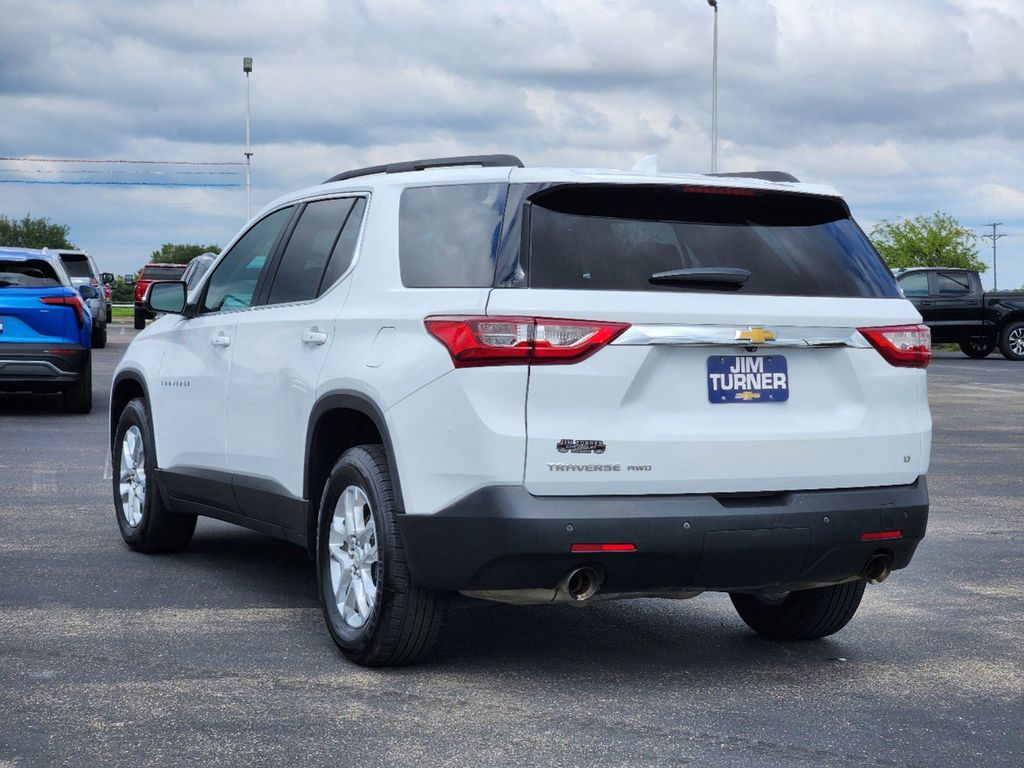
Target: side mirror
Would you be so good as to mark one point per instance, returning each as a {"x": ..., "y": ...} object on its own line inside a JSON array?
[
  {"x": 166, "y": 297},
  {"x": 107, "y": 277},
  {"x": 88, "y": 292},
  {"x": 129, "y": 279}
]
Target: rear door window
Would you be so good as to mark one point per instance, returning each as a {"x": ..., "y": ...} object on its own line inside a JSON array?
[
  {"x": 309, "y": 249},
  {"x": 952, "y": 283},
  {"x": 233, "y": 283},
  {"x": 345, "y": 249},
  {"x": 448, "y": 235},
  {"x": 614, "y": 237}
]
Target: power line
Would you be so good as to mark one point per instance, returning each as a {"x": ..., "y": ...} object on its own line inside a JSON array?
[
  {"x": 131, "y": 162},
  {"x": 58, "y": 171},
  {"x": 115, "y": 183},
  {"x": 994, "y": 237}
]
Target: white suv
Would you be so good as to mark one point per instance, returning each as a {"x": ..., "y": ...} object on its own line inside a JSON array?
[{"x": 536, "y": 385}]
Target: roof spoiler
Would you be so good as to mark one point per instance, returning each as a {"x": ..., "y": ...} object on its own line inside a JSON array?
[
  {"x": 763, "y": 175},
  {"x": 483, "y": 161}
]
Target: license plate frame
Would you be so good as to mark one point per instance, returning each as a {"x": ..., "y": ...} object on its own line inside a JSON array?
[{"x": 747, "y": 379}]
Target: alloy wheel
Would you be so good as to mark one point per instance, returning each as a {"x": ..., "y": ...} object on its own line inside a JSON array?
[
  {"x": 354, "y": 566},
  {"x": 133, "y": 476}
]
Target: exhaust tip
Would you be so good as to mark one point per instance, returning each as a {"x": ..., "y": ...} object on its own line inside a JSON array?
[
  {"x": 878, "y": 569},
  {"x": 582, "y": 583}
]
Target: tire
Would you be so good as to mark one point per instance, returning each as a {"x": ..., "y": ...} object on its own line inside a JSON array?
[
  {"x": 99, "y": 336},
  {"x": 395, "y": 623},
  {"x": 805, "y": 615},
  {"x": 145, "y": 523},
  {"x": 1011, "y": 341},
  {"x": 977, "y": 347},
  {"x": 140, "y": 319},
  {"x": 78, "y": 396}
]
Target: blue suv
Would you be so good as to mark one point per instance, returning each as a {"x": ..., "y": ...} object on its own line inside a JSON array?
[{"x": 45, "y": 328}]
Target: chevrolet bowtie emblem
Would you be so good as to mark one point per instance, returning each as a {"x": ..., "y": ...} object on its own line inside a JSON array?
[{"x": 755, "y": 335}]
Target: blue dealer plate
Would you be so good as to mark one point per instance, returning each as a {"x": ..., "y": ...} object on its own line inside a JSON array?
[{"x": 748, "y": 379}]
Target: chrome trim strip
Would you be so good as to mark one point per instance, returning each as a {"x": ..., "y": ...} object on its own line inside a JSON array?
[{"x": 725, "y": 335}]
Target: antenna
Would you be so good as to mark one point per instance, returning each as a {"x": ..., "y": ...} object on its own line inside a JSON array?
[{"x": 994, "y": 237}]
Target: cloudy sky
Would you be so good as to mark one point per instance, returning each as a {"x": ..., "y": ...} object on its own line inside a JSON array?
[{"x": 906, "y": 106}]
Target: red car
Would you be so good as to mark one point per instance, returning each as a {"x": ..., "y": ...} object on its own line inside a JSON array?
[{"x": 152, "y": 273}]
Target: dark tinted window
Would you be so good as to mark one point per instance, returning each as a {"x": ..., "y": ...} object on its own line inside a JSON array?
[
  {"x": 915, "y": 284},
  {"x": 76, "y": 266},
  {"x": 162, "y": 273},
  {"x": 233, "y": 282},
  {"x": 953, "y": 283},
  {"x": 344, "y": 250},
  {"x": 311, "y": 244},
  {"x": 448, "y": 235},
  {"x": 603, "y": 237},
  {"x": 34, "y": 273}
]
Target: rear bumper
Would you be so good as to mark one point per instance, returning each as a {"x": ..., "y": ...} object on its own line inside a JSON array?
[
  {"x": 24, "y": 365},
  {"x": 501, "y": 538}
]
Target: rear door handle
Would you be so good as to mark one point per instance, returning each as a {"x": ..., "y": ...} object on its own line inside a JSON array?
[
  {"x": 314, "y": 337},
  {"x": 221, "y": 340}
]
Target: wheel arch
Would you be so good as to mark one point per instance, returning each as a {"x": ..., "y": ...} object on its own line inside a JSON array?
[
  {"x": 338, "y": 421},
  {"x": 128, "y": 385}
]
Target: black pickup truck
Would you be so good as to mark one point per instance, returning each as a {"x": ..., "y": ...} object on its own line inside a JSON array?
[{"x": 958, "y": 311}]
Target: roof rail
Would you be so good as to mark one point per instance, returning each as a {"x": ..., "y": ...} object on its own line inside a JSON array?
[
  {"x": 763, "y": 175},
  {"x": 483, "y": 161}
]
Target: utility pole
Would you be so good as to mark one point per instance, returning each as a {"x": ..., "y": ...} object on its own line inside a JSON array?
[
  {"x": 247, "y": 68},
  {"x": 994, "y": 237},
  {"x": 714, "y": 93}
]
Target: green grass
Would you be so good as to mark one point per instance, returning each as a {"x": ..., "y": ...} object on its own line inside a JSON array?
[{"x": 125, "y": 312}]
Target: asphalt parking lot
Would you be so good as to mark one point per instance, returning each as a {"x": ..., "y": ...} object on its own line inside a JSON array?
[{"x": 218, "y": 655}]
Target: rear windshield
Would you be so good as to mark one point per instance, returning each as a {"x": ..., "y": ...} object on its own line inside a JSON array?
[
  {"x": 34, "y": 273},
  {"x": 612, "y": 237},
  {"x": 76, "y": 266},
  {"x": 162, "y": 273}
]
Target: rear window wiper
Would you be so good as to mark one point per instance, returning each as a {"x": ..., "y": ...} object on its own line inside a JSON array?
[{"x": 711, "y": 278}]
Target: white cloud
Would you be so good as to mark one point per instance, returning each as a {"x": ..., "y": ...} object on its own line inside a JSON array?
[{"x": 907, "y": 107}]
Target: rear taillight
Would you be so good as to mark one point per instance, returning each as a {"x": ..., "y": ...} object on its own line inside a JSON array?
[
  {"x": 67, "y": 301},
  {"x": 94, "y": 282},
  {"x": 474, "y": 341},
  {"x": 905, "y": 346}
]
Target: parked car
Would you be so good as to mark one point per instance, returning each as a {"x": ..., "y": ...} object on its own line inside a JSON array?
[
  {"x": 196, "y": 268},
  {"x": 536, "y": 386},
  {"x": 957, "y": 310},
  {"x": 45, "y": 328},
  {"x": 82, "y": 270},
  {"x": 149, "y": 274}
]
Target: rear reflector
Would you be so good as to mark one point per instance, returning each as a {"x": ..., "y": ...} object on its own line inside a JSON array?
[
  {"x": 67, "y": 301},
  {"x": 475, "y": 341},
  {"x": 904, "y": 346},
  {"x": 581, "y": 548},
  {"x": 881, "y": 535}
]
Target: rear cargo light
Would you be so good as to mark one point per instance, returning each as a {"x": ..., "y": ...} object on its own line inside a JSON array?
[
  {"x": 700, "y": 190},
  {"x": 475, "y": 341},
  {"x": 583, "y": 548},
  {"x": 905, "y": 346},
  {"x": 67, "y": 301},
  {"x": 881, "y": 535}
]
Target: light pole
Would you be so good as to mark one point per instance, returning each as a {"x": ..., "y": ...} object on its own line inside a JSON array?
[
  {"x": 994, "y": 237},
  {"x": 247, "y": 68},
  {"x": 714, "y": 93}
]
